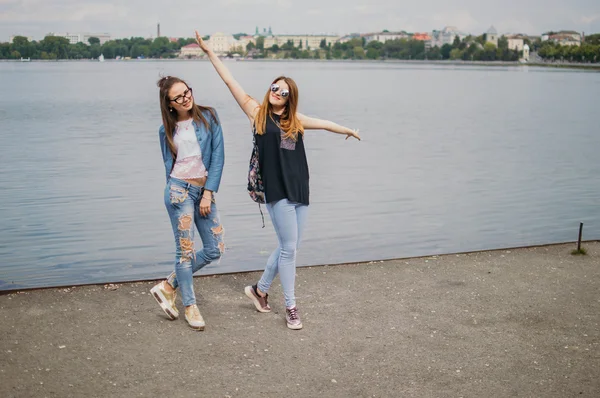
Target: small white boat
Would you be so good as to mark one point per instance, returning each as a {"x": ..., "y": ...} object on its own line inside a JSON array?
[
  {"x": 101, "y": 58},
  {"x": 25, "y": 59}
]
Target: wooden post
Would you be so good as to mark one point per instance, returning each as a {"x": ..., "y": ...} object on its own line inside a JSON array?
[{"x": 579, "y": 240}]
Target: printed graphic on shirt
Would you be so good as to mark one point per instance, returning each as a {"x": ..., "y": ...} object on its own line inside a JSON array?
[{"x": 287, "y": 143}]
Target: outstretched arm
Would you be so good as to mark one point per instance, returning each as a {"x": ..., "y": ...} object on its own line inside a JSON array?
[
  {"x": 248, "y": 104},
  {"x": 311, "y": 123}
]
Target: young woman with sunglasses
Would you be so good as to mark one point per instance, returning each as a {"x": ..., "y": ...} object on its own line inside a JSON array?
[
  {"x": 191, "y": 141},
  {"x": 279, "y": 133}
]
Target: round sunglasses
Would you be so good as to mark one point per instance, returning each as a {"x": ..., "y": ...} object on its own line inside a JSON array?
[{"x": 275, "y": 88}]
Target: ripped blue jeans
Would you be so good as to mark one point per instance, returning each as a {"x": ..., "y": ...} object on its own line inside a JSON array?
[{"x": 183, "y": 205}]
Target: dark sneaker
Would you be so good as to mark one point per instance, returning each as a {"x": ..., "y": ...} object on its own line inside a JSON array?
[
  {"x": 292, "y": 318},
  {"x": 259, "y": 302},
  {"x": 165, "y": 299}
]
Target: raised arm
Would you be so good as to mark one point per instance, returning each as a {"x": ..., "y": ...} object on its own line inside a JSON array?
[
  {"x": 248, "y": 104},
  {"x": 311, "y": 123}
]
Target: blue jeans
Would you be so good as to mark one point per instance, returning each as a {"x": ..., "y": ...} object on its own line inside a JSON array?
[
  {"x": 288, "y": 219},
  {"x": 183, "y": 205}
]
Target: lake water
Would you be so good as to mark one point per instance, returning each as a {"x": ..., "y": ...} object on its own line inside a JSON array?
[{"x": 453, "y": 159}]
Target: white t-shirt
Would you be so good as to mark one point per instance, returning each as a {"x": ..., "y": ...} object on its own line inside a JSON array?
[{"x": 189, "y": 164}]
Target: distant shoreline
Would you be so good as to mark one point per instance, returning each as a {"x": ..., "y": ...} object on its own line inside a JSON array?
[{"x": 593, "y": 67}]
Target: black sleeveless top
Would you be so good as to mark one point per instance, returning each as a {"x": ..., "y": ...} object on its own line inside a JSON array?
[{"x": 283, "y": 164}]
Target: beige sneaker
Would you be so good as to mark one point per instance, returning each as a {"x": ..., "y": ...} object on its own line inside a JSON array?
[
  {"x": 165, "y": 299},
  {"x": 193, "y": 317}
]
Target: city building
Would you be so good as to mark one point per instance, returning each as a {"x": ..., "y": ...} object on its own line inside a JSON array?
[
  {"x": 445, "y": 36},
  {"x": 491, "y": 36},
  {"x": 565, "y": 35},
  {"x": 515, "y": 42},
  {"x": 191, "y": 51},
  {"x": 306, "y": 41},
  {"x": 222, "y": 44},
  {"x": 347, "y": 38},
  {"x": 75, "y": 38},
  {"x": 384, "y": 36},
  {"x": 421, "y": 36},
  {"x": 245, "y": 40},
  {"x": 264, "y": 33}
]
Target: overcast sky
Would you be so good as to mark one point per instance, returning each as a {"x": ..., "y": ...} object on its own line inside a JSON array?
[{"x": 127, "y": 18}]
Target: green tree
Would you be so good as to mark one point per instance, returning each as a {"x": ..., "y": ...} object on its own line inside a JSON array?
[
  {"x": 109, "y": 49},
  {"x": 4, "y": 50},
  {"x": 250, "y": 46},
  {"x": 489, "y": 52},
  {"x": 79, "y": 51},
  {"x": 593, "y": 39},
  {"x": 23, "y": 46},
  {"x": 377, "y": 45},
  {"x": 472, "y": 53},
  {"x": 456, "y": 54},
  {"x": 55, "y": 47},
  {"x": 260, "y": 43},
  {"x": 46, "y": 56},
  {"x": 445, "y": 51},
  {"x": 160, "y": 47},
  {"x": 184, "y": 42},
  {"x": 288, "y": 46},
  {"x": 434, "y": 53},
  {"x": 275, "y": 48},
  {"x": 456, "y": 42},
  {"x": 416, "y": 49},
  {"x": 140, "y": 50},
  {"x": 238, "y": 35},
  {"x": 323, "y": 44},
  {"x": 93, "y": 40},
  {"x": 373, "y": 53},
  {"x": 503, "y": 43},
  {"x": 359, "y": 53}
]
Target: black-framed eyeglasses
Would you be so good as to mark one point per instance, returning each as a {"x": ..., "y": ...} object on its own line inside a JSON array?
[
  {"x": 284, "y": 93},
  {"x": 187, "y": 94}
]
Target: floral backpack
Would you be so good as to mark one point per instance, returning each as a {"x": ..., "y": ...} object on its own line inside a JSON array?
[{"x": 256, "y": 189}]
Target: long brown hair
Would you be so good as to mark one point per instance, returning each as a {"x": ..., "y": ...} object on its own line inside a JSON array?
[
  {"x": 289, "y": 121},
  {"x": 169, "y": 115}
]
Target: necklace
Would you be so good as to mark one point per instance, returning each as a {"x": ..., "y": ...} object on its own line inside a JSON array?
[{"x": 184, "y": 125}]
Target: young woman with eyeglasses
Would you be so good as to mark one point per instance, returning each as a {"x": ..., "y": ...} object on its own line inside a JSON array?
[
  {"x": 191, "y": 141},
  {"x": 279, "y": 134}
]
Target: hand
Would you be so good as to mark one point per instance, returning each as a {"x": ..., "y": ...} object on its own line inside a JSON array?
[
  {"x": 201, "y": 43},
  {"x": 353, "y": 133},
  {"x": 205, "y": 204}
]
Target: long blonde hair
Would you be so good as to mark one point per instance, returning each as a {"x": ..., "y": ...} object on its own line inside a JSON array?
[
  {"x": 169, "y": 116},
  {"x": 289, "y": 121}
]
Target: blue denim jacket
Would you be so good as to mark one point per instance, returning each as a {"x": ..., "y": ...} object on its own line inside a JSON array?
[{"x": 211, "y": 145}]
